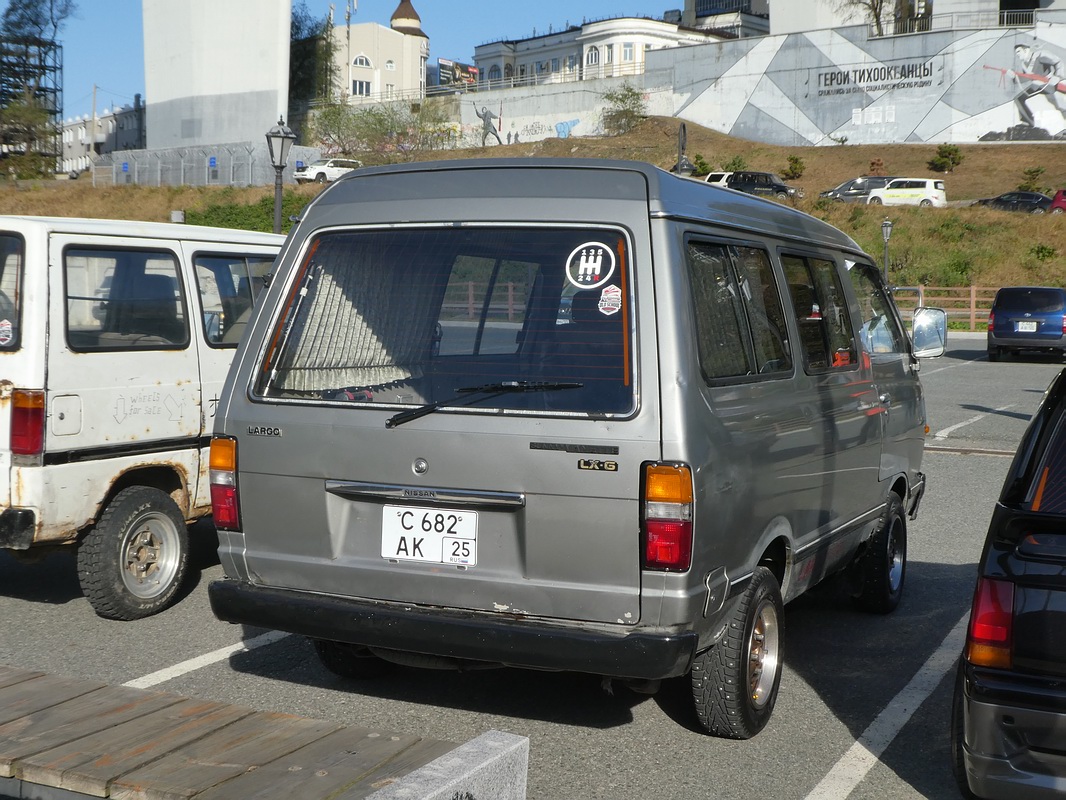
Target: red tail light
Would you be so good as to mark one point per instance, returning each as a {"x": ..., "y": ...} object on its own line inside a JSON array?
[
  {"x": 988, "y": 642},
  {"x": 27, "y": 422},
  {"x": 992, "y": 317},
  {"x": 666, "y": 527},
  {"x": 225, "y": 499}
]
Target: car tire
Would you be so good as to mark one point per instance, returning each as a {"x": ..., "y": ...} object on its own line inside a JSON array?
[
  {"x": 735, "y": 683},
  {"x": 993, "y": 354},
  {"x": 1056, "y": 211},
  {"x": 875, "y": 201},
  {"x": 350, "y": 661},
  {"x": 957, "y": 737},
  {"x": 782, "y": 195},
  {"x": 882, "y": 567},
  {"x": 320, "y": 177},
  {"x": 926, "y": 203},
  {"x": 132, "y": 562},
  {"x": 1037, "y": 211}
]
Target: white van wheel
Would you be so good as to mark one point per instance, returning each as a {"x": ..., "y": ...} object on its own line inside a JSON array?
[
  {"x": 350, "y": 661},
  {"x": 883, "y": 566},
  {"x": 133, "y": 560},
  {"x": 735, "y": 683}
]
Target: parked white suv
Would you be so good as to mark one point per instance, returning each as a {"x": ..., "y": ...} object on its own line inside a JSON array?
[
  {"x": 115, "y": 338},
  {"x": 910, "y": 192},
  {"x": 325, "y": 170}
]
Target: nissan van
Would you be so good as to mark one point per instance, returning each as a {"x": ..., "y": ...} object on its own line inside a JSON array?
[{"x": 566, "y": 415}]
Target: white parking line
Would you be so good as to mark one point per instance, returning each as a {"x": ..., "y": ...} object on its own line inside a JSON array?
[
  {"x": 861, "y": 757},
  {"x": 941, "y": 435},
  {"x": 206, "y": 660}
]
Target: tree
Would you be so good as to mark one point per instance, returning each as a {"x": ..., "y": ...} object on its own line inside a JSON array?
[
  {"x": 384, "y": 133},
  {"x": 625, "y": 109},
  {"x": 35, "y": 19},
  {"x": 312, "y": 72}
]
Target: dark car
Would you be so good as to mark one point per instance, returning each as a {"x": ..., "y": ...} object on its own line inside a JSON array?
[
  {"x": 1058, "y": 202},
  {"x": 1029, "y": 202},
  {"x": 762, "y": 183},
  {"x": 857, "y": 189},
  {"x": 1027, "y": 318},
  {"x": 1008, "y": 716}
]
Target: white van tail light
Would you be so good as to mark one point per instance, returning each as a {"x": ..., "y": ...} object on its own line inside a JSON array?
[
  {"x": 666, "y": 518},
  {"x": 225, "y": 503},
  {"x": 27, "y": 422}
]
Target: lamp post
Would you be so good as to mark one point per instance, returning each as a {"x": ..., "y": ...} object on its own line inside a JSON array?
[
  {"x": 279, "y": 142},
  {"x": 886, "y": 233}
]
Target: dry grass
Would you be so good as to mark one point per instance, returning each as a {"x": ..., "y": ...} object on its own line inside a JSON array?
[{"x": 954, "y": 246}]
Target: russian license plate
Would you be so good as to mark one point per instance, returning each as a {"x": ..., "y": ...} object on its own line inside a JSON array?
[
  {"x": 436, "y": 535},
  {"x": 1025, "y": 327}
]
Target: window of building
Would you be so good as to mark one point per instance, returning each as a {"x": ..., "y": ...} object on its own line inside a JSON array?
[
  {"x": 361, "y": 88},
  {"x": 361, "y": 61},
  {"x": 571, "y": 63},
  {"x": 555, "y": 65},
  {"x": 608, "y": 54},
  {"x": 390, "y": 66},
  {"x": 494, "y": 72},
  {"x": 627, "y": 51},
  {"x": 508, "y": 70},
  {"x": 592, "y": 57}
]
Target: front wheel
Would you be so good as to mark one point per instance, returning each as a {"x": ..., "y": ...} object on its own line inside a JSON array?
[
  {"x": 320, "y": 177},
  {"x": 132, "y": 562},
  {"x": 883, "y": 566},
  {"x": 1056, "y": 211},
  {"x": 735, "y": 683}
]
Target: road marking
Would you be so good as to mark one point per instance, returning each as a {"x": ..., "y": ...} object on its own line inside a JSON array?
[
  {"x": 861, "y": 757},
  {"x": 206, "y": 660},
  {"x": 941, "y": 435}
]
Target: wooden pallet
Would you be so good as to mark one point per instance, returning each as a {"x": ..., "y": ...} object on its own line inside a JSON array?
[{"x": 96, "y": 740}]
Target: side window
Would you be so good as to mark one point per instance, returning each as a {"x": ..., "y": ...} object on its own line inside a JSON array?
[
  {"x": 879, "y": 328},
  {"x": 228, "y": 285},
  {"x": 821, "y": 313},
  {"x": 123, "y": 299},
  {"x": 739, "y": 322},
  {"x": 11, "y": 258}
]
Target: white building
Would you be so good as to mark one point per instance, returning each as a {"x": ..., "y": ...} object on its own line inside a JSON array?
[
  {"x": 375, "y": 63},
  {"x": 215, "y": 71},
  {"x": 114, "y": 129}
]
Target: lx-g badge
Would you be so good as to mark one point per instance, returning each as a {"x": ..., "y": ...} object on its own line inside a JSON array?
[
  {"x": 263, "y": 430},
  {"x": 598, "y": 466}
]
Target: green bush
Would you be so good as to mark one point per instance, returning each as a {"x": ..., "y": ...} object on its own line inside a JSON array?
[
  {"x": 257, "y": 217},
  {"x": 1033, "y": 181},
  {"x": 1042, "y": 252},
  {"x": 702, "y": 167},
  {"x": 948, "y": 156},
  {"x": 735, "y": 164},
  {"x": 795, "y": 168}
]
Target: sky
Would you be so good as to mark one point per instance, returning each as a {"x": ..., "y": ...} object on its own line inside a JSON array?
[{"x": 103, "y": 43}]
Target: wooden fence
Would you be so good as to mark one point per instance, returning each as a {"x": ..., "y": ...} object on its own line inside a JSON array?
[{"x": 967, "y": 306}]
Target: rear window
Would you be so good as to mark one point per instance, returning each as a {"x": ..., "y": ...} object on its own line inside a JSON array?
[
  {"x": 514, "y": 318},
  {"x": 12, "y": 256},
  {"x": 1039, "y": 301}
]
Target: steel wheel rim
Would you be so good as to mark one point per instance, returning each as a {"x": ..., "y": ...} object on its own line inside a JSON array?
[
  {"x": 764, "y": 648},
  {"x": 895, "y": 557},
  {"x": 150, "y": 555}
]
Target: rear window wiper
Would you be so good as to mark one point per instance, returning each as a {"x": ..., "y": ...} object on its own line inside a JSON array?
[{"x": 487, "y": 391}]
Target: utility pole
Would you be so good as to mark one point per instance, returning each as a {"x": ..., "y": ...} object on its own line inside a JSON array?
[{"x": 92, "y": 130}]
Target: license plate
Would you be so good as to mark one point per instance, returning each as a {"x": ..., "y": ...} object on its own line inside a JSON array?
[
  {"x": 435, "y": 535},
  {"x": 1025, "y": 327}
]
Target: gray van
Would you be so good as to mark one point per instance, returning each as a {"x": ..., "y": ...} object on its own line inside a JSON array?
[{"x": 566, "y": 415}]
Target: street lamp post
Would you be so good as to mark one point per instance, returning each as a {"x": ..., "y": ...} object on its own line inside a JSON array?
[
  {"x": 279, "y": 142},
  {"x": 886, "y": 233}
]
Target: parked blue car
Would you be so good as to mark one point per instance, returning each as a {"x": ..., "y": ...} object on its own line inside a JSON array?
[{"x": 1027, "y": 318}]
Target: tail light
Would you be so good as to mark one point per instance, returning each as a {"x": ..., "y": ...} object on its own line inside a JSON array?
[
  {"x": 991, "y": 318},
  {"x": 666, "y": 524},
  {"x": 27, "y": 422},
  {"x": 988, "y": 641},
  {"x": 225, "y": 500}
]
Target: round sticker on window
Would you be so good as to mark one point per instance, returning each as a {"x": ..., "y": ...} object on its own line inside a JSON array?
[{"x": 590, "y": 265}]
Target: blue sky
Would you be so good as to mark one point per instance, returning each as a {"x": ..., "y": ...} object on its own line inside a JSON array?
[{"x": 103, "y": 43}]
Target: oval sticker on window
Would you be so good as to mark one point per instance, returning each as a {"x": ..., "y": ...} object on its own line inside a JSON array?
[{"x": 590, "y": 265}]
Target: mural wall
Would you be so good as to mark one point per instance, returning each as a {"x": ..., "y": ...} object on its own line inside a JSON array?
[{"x": 821, "y": 88}]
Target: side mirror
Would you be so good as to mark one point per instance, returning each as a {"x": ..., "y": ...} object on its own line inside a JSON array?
[{"x": 929, "y": 332}]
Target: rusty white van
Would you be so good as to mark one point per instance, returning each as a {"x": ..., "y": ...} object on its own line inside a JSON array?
[
  {"x": 115, "y": 338},
  {"x": 566, "y": 415}
]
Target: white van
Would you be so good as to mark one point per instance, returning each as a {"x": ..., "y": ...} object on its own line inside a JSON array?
[
  {"x": 910, "y": 192},
  {"x": 115, "y": 339}
]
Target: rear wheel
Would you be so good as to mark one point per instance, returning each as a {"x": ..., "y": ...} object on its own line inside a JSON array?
[
  {"x": 875, "y": 201},
  {"x": 735, "y": 683},
  {"x": 993, "y": 354},
  {"x": 351, "y": 661},
  {"x": 1037, "y": 210},
  {"x": 131, "y": 563},
  {"x": 926, "y": 203},
  {"x": 883, "y": 565},
  {"x": 958, "y": 738}
]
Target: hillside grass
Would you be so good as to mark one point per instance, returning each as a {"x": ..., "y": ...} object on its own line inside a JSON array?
[{"x": 955, "y": 246}]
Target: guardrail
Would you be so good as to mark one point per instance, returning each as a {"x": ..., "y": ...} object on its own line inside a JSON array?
[
  {"x": 968, "y": 305},
  {"x": 978, "y": 20}
]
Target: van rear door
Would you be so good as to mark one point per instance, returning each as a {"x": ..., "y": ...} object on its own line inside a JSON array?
[{"x": 448, "y": 415}]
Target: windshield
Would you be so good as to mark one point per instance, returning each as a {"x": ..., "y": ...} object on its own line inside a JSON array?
[
  {"x": 11, "y": 258},
  {"x": 412, "y": 317}
]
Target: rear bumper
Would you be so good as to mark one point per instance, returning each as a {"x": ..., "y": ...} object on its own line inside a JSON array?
[
  {"x": 1031, "y": 342},
  {"x": 17, "y": 526},
  {"x": 1015, "y": 736},
  {"x": 466, "y": 635}
]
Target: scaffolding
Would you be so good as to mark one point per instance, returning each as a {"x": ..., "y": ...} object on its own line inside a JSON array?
[{"x": 31, "y": 68}]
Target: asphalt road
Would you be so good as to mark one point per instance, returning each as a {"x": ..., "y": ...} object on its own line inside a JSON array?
[{"x": 864, "y": 699}]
